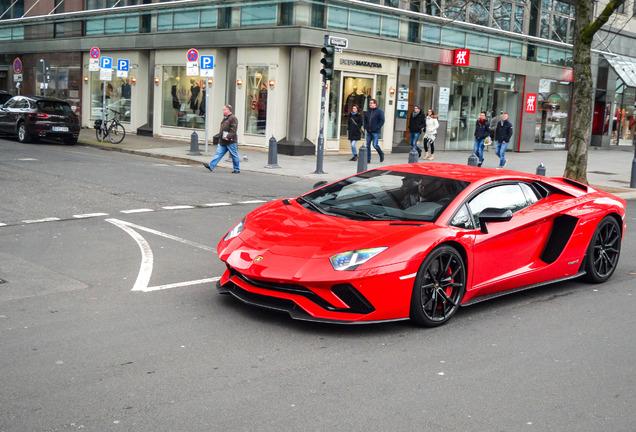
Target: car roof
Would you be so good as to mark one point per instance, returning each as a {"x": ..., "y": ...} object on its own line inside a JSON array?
[{"x": 41, "y": 98}]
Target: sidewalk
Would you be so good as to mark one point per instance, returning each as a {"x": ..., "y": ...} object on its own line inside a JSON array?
[{"x": 609, "y": 170}]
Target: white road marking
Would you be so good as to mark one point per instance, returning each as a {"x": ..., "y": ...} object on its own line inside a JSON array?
[
  {"x": 217, "y": 204},
  {"x": 89, "y": 215},
  {"x": 181, "y": 284},
  {"x": 145, "y": 270},
  {"x": 168, "y": 236},
  {"x": 136, "y": 211},
  {"x": 51, "y": 219},
  {"x": 411, "y": 276},
  {"x": 178, "y": 207},
  {"x": 252, "y": 202},
  {"x": 3, "y": 224},
  {"x": 26, "y": 159}
]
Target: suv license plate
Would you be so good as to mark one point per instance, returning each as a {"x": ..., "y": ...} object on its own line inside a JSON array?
[{"x": 60, "y": 129}]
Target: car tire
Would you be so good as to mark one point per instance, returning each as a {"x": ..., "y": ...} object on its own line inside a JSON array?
[
  {"x": 604, "y": 250},
  {"x": 439, "y": 287},
  {"x": 23, "y": 134},
  {"x": 70, "y": 141}
]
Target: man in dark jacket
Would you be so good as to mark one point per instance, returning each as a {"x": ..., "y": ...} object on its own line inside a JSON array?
[
  {"x": 503, "y": 133},
  {"x": 373, "y": 122},
  {"x": 227, "y": 141},
  {"x": 482, "y": 130},
  {"x": 416, "y": 124}
]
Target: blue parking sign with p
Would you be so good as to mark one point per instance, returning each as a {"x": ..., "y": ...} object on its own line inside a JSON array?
[
  {"x": 207, "y": 66},
  {"x": 123, "y": 64},
  {"x": 106, "y": 62}
]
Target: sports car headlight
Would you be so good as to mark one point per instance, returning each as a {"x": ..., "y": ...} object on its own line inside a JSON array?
[
  {"x": 235, "y": 231},
  {"x": 351, "y": 260}
]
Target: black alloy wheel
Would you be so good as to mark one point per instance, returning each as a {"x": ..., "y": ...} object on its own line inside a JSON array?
[
  {"x": 23, "y": 134},
  {"x": 439, "y": 287},
  {"x": 603, "y": 251}
]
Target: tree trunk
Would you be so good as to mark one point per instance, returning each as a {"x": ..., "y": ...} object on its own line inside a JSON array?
[{"x": 583, "y": 95}]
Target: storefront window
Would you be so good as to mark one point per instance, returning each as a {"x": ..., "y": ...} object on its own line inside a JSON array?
[
  {"x": 183, "y": 102},
  {"x": 256, "y": 100},
  {"x": 624, "y": 120},
  {"x": 334, "y": 103},
  {"x": 553, "y": 108},
  {"x": 118, "y": 97}
]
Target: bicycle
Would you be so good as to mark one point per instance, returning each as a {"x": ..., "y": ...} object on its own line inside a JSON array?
[{"x": 113, "y": 129}]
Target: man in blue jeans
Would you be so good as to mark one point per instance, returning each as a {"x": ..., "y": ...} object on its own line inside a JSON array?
[
  {"x": 227, "y": 141},
  {"x": 482, "y": 130},
  {"x": 373, "y": 122},
  {"x": 503, "y": 133}
]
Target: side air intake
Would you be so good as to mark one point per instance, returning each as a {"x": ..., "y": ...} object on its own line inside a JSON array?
[{"x": 562, "y": 230}]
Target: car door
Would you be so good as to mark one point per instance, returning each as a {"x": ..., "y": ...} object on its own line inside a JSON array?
[
  {"x": 5, "y": 116},
  {"x": 508, "y": 255}
]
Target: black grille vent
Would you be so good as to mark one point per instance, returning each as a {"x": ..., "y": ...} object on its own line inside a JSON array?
[
  {"x": 351, "y": 296},
  {"x": 561, "y": 232}
]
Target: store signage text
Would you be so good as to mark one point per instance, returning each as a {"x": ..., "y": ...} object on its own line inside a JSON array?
[
  {"x": 462, "y": 57},
  {"x": 531, "y": 103},
  {"x": 360, "y": 63}
]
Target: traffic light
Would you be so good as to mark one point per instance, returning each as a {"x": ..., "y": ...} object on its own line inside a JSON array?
[{"x": 327, "y": 61}]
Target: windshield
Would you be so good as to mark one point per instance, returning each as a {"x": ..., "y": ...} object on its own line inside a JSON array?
[{"x": 386, "y": 195}]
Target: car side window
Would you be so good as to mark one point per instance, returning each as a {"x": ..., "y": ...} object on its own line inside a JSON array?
[
  {"x": 22, "y": 103},
  {"x": 530, "y": 193},
  {"x": 10, "y": 103},
  {"x": 509, "y": 196},
  {"x": 462, "y": 219}
]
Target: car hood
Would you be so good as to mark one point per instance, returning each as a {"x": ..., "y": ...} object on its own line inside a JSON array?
[{"x": 293, "y": 231}]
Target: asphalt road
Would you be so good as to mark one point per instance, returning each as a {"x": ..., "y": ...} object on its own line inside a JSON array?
[{"x": 109, "y": 321}]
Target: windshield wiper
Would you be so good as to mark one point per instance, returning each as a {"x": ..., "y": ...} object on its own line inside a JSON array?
[
  {"x": 350, "y": 212},
  {"x": 311, "y": 204}
]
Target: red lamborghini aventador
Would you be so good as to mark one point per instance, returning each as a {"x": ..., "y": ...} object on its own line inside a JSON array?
[{"x": 418, "y": 241}]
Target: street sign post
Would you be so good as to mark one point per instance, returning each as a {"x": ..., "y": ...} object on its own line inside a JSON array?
[
  {"x": 17, "y": 65},
  {"x": 207, "y": 70},
  {"x": 123, "y": 67},
  {"x": 105, "y": 74}
]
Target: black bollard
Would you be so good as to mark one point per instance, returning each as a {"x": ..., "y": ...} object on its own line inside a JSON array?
[
  {"x": 541, "y": 169},
  {"x": 362, "y": 158},
  {"x": 473, "y": 160},
  {"x": 194, "y": 145},
  {"x": 413, "y": 156},
  {"x": 272, "y": 157}
]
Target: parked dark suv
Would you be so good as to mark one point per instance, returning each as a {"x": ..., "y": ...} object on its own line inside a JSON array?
[{"x": 32, "y": 118}]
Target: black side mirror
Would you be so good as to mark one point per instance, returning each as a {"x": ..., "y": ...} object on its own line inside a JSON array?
[{"x": 492, "y": 214}]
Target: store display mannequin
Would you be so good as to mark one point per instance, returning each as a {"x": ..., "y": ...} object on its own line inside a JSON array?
[{"x": 194, "y": 95}]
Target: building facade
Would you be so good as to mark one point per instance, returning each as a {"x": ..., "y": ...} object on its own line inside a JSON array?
[{"x": 457, "y": 58}]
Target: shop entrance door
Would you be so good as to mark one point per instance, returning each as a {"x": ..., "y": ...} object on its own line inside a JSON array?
[
  {"x": 426, "y": 96},
  {"x": 506, "y": 101},
  {"x": 356, "y": 90}
]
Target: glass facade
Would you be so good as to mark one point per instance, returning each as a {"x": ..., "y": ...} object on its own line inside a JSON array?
[
  {"x": 553, "y": 114},
  {"x": 256, "y": 100},
  {"x": 183, "y": 102},
  {"x": 118, "y": 97}
]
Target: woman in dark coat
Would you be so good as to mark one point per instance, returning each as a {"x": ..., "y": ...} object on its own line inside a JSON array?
[{"x": 354, "y": 126}]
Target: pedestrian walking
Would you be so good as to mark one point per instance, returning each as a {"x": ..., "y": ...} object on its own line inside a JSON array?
[
  {"x": 227, "y": 141},
  {"x": 354, "y": 126},
  {"x": 503, "y": 133},
  {"x": 482, "y": 130},
  {"x": 373, "y": 122},
  {"x": 416, "y": 124},
  {"x": 432, "y": 124}
]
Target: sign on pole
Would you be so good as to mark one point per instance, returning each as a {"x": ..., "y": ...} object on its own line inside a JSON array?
[
  {"x": 123, "y": 66},
  {"x": 95, "y": 53},
  {"x": 207, "y": 66},
  {"x": 93, "y": 65},
  {"x": 17, "y": 65}
]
